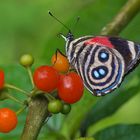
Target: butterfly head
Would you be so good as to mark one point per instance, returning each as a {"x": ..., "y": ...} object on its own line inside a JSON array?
[{"x": 69, "y": 37}]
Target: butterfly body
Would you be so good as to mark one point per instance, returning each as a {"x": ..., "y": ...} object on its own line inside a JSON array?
[{"x": 102, "y": 61}]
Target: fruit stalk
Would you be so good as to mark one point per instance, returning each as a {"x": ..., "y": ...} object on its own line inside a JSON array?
[{"x": 36, "y": 116}]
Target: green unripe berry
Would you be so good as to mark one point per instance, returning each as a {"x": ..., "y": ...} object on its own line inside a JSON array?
[
  {"x": 26, "y": 60},
  {"x": 55, "y": 106},
  {"x": 66, "y": 108}
]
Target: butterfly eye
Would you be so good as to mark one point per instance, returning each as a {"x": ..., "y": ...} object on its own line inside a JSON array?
[
  {"x": 103, "y": 56},
  {"x": 99, "y": 72}
]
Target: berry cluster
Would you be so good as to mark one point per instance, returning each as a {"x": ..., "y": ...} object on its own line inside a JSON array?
[
  {"x": 57, "y": 83},
  {"x": 58, "y": 78},
  {"x": 8, "y": 118}
]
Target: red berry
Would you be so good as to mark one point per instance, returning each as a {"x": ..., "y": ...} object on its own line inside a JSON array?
[
  {"x": 46, "y": 78},
  {"x": 8, "y": 120},
  {"x": 1, "y": 79},
  {"x": 70, "y": 87}
]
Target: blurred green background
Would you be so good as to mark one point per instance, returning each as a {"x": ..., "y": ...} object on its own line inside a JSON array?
[{"x": 26, "y": 27}]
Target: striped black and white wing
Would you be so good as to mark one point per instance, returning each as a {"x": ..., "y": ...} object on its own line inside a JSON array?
[
  {"x": 129, "y": 50},
  {"x": 102, "y": 67}
]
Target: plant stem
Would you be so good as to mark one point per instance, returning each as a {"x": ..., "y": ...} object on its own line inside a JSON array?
[
  {"x": 16, "y": 88},
  {"x": 30, "y": 75},
  {"x": 33, "y": 92},
  {"x": 21, "y": 109},
  {"x": 122, "y": 19},
  {"x": 49, "y": 97},
  {"x": 36, "y": 116},
  {"x": 14, "y": 99}
]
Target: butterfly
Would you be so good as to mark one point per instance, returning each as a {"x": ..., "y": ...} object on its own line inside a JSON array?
[{"x": 101, "y": 61}]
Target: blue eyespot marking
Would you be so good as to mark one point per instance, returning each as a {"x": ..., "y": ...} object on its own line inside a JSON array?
[
  {"x": 96, "y": 74},
  {"x": 116, "y": 82},
  {"x": 99, "y": 72},
  {"x": 102, "y": 71},
  {"x": 103, "y": 55}
]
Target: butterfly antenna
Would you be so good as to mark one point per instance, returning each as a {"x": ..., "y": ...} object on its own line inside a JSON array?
[
  {"x": 59, "y": 21},
  {"x": 77, "y": 20}
]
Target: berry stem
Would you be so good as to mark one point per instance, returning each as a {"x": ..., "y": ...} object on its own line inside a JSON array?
[
  {"x": 30, "y": 75},
  {"x": 16, "y": 88},
  {"x": 33, "y": 92},
  {"x": 21, "y": 109},
  {"x": 14, "y": 99},
  {"x": 49, "y": 97}
]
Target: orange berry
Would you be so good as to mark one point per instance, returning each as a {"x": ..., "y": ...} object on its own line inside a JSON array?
[
  {"x": 60, "y": 62},
  {"x": 8, "y": 120}
]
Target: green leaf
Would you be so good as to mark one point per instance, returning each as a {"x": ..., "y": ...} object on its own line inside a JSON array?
[
  {"x": 54, "y": 136},
  {"x": 119, "y": 132}
]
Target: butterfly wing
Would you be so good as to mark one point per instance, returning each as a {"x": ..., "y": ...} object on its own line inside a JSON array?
[
  {"x": 102, "y": 62},
  {"x": 129, "y": 50}
]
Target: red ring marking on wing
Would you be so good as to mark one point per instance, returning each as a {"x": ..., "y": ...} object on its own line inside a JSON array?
[{"x": 100, "y": 40}]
